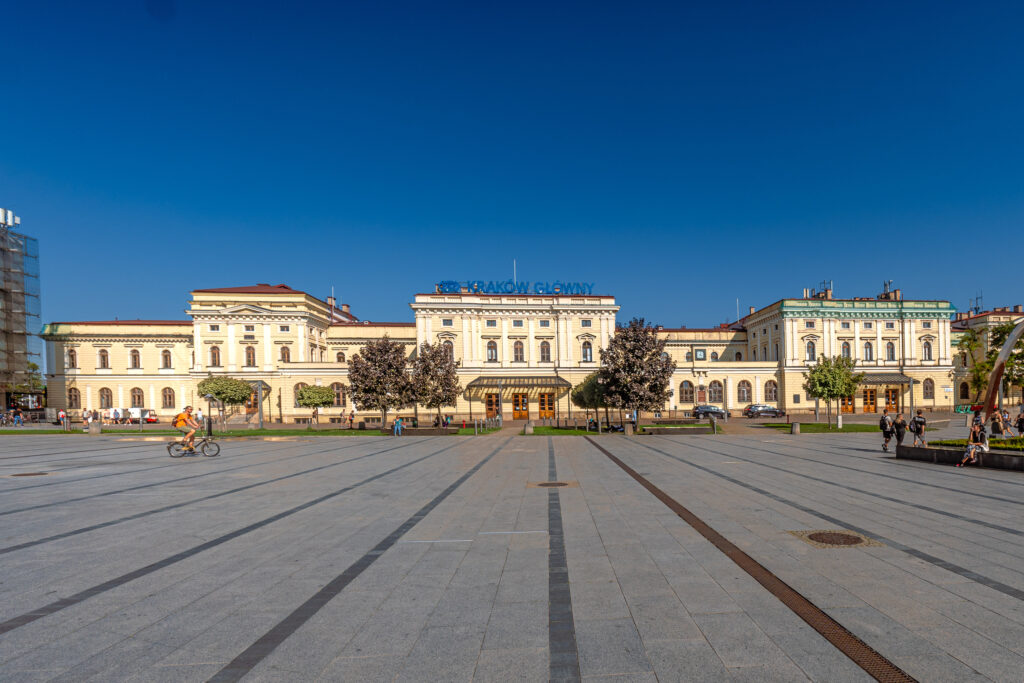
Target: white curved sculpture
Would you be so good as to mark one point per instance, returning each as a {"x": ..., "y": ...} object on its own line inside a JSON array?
[{"x": 996, "y": 376}]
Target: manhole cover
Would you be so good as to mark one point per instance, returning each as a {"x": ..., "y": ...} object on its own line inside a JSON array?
[
  {"x": 30, "y": 474},
  {"x": 551, "y": 484},
  {"x": 835, "y": 538}
]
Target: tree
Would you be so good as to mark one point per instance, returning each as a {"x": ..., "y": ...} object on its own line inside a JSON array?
[
  {"x": 435, "y": 381},
  {"x": 33, "y": 379},
  {"x": 315, "y": 397},
  {"x": 589, "y": 394},
  {"x": 831, "y": 379},
  {"x": 379, "y": 379},
  {"x": 226, "y": 390},
  {"x": 978, "y": 364},
  {"x": 1013, "y": 372},
  {"x": 635, "y": 370}
]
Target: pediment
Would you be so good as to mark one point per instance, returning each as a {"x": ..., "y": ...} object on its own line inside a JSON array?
[{"x": 247, "y": 309}]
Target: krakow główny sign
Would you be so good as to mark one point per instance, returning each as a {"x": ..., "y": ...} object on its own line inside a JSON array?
[{"x": 514, "y": 287}]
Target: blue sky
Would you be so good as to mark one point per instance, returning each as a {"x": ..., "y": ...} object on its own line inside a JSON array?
[{"x": 678, "y": 155}]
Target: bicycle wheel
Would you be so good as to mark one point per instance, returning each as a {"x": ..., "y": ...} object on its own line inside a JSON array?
[
  {"x": 175, "y": 449},
  {"x": 210, "y": 449}
]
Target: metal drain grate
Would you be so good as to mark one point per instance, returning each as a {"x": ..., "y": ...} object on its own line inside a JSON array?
[
  {"x": 30, "y": 474},
  {"x": 834, "y": 538}
]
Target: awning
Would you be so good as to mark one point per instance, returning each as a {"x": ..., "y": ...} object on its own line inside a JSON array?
[
  {"x": 519, "y": 383},
  {"x": 879, "y": 378}
]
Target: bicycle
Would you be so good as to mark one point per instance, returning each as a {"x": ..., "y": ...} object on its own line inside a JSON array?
[{"x": 206, "y": 445}]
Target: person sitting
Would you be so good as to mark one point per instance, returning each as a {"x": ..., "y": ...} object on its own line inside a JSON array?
[{"x": 978, "y": 440}]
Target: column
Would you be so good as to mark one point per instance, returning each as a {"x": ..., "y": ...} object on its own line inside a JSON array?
[
  {"x": 88, "y": 398},
  {"x": 758, "y": 389},
  {"x": 232, "y": 351},
  {"x": 910, "y": 355},
  {"x": 505, "y": 357},
  {"x": 879, "y": 347},
  {"x": 727, "y": 384},
  {"x": 120, "y": 397},
  {"x": 855, "y": 351},
  {"x": 567, "y": 339},
  {"x": 532, "y": 352},
  {"x": 197, "y": 345},
  {"x": 181, "y": 399},
  {"x": 268, "y": 349},
  {"x": 467, "y": 348},
  {"x": 429, "y": 336},
  {"x": 302, "y": 342},
  {"x": 152, "y": 396}
]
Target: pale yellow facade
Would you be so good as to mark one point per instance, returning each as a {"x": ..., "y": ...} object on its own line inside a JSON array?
[{"x": 518, "y": 354}]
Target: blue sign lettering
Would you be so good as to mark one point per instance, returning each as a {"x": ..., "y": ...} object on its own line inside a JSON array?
[{"x": 514, "y": 287}]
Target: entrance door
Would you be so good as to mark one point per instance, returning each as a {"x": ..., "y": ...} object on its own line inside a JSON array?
[
  {"x": 520, "y": 407},
  {"x": 702, "y": 394},
  {"x": 492, "y": 405},
  {"x": 870, "y": 401},
  {"x": 892, "y": 400},
  {"x": 546, "y": 406},
  {"x": 846, "y": 404},
  {"x": 250, "y": 405}
]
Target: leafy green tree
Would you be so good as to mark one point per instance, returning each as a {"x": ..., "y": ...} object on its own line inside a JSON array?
[
  {"x": 831, "y": 379},
  {"x": 1013, "y": 372},
  {"x": 379, "y": 379},
  {"x": 435, "y": 380},
  {"x": 978, "y": 365},
  {"x": 226, "y": 391},
  {"x": 635, "y": 370},
  {"x": 315, "y": 397},
  {"x": 589, "y": 394}
]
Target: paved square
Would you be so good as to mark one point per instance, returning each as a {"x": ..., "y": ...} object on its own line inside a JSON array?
[{"x": 438, "y": 558}]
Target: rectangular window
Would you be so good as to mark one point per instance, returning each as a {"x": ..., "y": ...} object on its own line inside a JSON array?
[
  {"x": 584, "y": 323},
  {"x": 284, "y": 328},
  {"x": 492, "y": 323},
  {"x": 517, "y": 323},
  {"x": 868, "y": 326},
  {"x": 809, "y": 324},
  {"x": 845, "y": 326},
  {"x": 890, "y": 326},
  {"x": 926, "y": 325},
  {"x": 214, "y": 328},
  {"x": 248, "y": 337},
  {"x": 447, "y": 322},
  {"x": 544, "y": 323},
  {"x": 250, "y": 328}
]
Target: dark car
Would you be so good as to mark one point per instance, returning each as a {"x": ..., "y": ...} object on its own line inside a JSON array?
[
  {"x": 705, "y": 411},
  {"x": 761, "y": 410}
]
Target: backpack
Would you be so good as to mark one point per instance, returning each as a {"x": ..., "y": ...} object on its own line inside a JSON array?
[{"x": 883, "y": 423}]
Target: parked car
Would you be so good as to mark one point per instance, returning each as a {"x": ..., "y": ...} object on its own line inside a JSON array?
[
  {"x": 133, "y": 415},
  {"x": 761, "y": 410},
  {"x": 704, "y": 411}
]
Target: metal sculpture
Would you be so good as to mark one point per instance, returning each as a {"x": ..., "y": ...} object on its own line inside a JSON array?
[{"x": 996, "y": 376}]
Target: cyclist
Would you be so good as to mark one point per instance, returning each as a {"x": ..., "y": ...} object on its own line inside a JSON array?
[{"x": 184, "y": 423}]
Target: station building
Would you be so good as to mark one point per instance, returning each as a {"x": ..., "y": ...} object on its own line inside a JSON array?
[{"x": 519, "y": 353}]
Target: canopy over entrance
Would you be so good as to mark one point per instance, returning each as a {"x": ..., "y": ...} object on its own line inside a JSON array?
[
  {"x": 506, "y": 386},
  {"x": 883, "y": 378}
]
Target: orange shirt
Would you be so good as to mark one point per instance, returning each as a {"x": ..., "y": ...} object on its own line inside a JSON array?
[{"x": 181, "y": 420}]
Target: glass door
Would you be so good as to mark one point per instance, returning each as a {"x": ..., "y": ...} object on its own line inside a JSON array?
[
  {"x": 546, "y": 406},
  {"x": 520, "y": 407},
  {"x": 846, "y": 404},
  {"x": 892, "y": 400},
  {"x": 492, "y": 405},
  {"x": 870, "y": 405}
]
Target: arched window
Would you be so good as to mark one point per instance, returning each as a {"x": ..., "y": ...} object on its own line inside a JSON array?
[
  {"x": 771, "y": 391},
  {"x": 492, "y": 352},
  {"x": 215, "y": 356},
  {"x": 846, "y": 349},
  {"x": 926, "y": 351},
  {"x": 104, "y": 359},
  {"x": 135, "y": 359},
  {"x": 250, "y": 357},
  {"x": 517, "y": 352},
  {"x": 138, "y": 398},
  {"x": 689, "y": 355},
  {"x": 714, "y": 355},
  {"x": 168, "y": 397},
  {"x": 74, "y": 398},
  {"x": 72, "y": 358},
  {"x": 715, "y": 393},
  {"x": 686, "y": 392},
  {"x": 298, "y": 387},
  {"x": 340, "y": 358},
  {"x": 965, "y": 391},
  {"x": 286, "y": 354},
  {"x": 165, "y": 358},
  {"x": 739, "y": 356},
  {"x": 339, "y": 395},
  {"x": 588, "y": 352},
  {"x": 106, "y": 398},
  {"x": 928, "y": 388},
  {"x": 545, "y": 352},
  {"x": 811, "y": 354},
  {"x": 743, "y": 392},
  {"x": 869, "y": 351},
  {"x": 449, "y": 349},
  {"x": 890, "y": 351}
]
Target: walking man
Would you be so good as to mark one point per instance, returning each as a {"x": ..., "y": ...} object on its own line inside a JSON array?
[
  {"x": 885, "y": 424},
  {"x": 919, "y": 424}
]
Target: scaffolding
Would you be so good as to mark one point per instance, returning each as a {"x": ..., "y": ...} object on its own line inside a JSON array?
[{"x": 20, "y": 313}]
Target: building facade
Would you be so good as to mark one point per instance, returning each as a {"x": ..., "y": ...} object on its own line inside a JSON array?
[
  {"x": 20, "y": 320},
  {"x": 519, "y": 354}
]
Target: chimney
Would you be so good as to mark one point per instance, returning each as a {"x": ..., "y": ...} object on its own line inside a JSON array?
[
  {"x": 345, "y": 309},
  {"x": 752, "y": 309},
  {"x": 806, "y": 292},
  {"x": 1018, "y": 309},
  {"x": 330, "y": 302}
]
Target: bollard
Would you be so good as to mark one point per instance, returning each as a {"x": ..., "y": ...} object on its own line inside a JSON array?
[
  {"x": 714, "y": 424},
  {"x": 794, "y": 428},
  {"x": 95, "y": 427},
  {"x": 629, "y": 429},
  {"x": 839, "y": 421}
]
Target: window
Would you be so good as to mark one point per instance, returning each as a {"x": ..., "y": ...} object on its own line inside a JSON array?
[
  {"x": 74, "y": 398},
  {"x": 517, "y": 323},
  {"x": 544, "y": 323},
  {"x": 755, "y": 354},
  {"x": 517, "y": 352},
  {"x": 686, "y": 392},
  {"x": 168, "y": 397},
  {"x": 715, "y": 393},
  {"x": 869, "y": 351},
  {"x": 844, "y": 325},
  {"x": 743, "y": 392},
  {"x": 771, "y": 391},
  {"x": 588, "y": 352},
  {"x": 701, "y": 354},
  {"x": 811, "y": 352},
  {"x": 447, "y": 322},
  {"x": 286, "y": 354},
  {"x": 809, "y": 324},
  {"x": 926, "y": 351},
  {"x": 250, "y": 357},
  {"x": 926, "y": 325},
  {"x": 965, "y": 391},
  {"x": 215, "y": 356},
  {"x": 298, "y": 387},
  {"x": 165, "y": 359},
  {"x": 928, "y": 389},
  {"x": 492, "y": 352},
  {"x": 890, "y": 351},
  {"x": 134, "y": 359},
  {"x": 584, "y": 323},
  {"x": 284, "y": 328},
  {"x": 214, "y": 328},
  {"x": 449, "y": 349},
  {"x": 339, "y": 395},
  {"x": 739, "y": 356},
  {"x": 250, "y": 328},
  {"x": 138, "y": 398},
  {"x": 339, "y": 357},
  {"x": 890, "y": 326},
  {"x": 104, "y": 359},
  {"x": 846, "y": 349},
  {"x": 545, "y": 352},
  {"x": 689, "y": 355},
  {"x": 72, "y": 359},
  {"x": 868, "y": 326},
  {"x": 492, "y": 323},
  {"x": 106, "y": 398}
]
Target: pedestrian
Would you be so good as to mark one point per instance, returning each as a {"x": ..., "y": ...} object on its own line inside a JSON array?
[
  {"x": 199, "y": 416},
  {"x": 919, "y": 424},
  {"x": 62, "y": 418},
  {"x": 398, "y": 426},
  {"x": 1020, "y": 422},
  {"x": 885, "y": 424},
  {"x": 117, "y": 416},
  {"x": 977, "y": 441},
  {"x": 17, "y": 417},
  {"x": 316, "y": 415},
  {"x": 997, "y": 424},
  {"x": 899, "y": 426},
  {"x": 1006, "y": 423},
  {"x": 351, "y": 419}
]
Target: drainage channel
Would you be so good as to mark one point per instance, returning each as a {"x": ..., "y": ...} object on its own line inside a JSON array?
[{"x": 862, "y": 654}]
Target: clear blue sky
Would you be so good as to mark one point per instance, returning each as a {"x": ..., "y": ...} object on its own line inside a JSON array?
[{"x": 678, "y": 155}]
